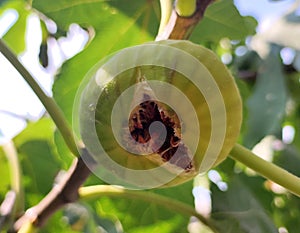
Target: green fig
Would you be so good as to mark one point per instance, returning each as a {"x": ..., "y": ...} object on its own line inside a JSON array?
[{"x": 158, "y": 114}]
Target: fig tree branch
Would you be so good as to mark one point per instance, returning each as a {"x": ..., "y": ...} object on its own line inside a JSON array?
[
  {"x": 62, "y": 193},
  {"x": 180, "y": 27},
  {"x": 7, "y": 209},
  {"x": 48, "y": 102},
  {"x": 13, "y": 203},
  {"x": 15, "y": 173}
]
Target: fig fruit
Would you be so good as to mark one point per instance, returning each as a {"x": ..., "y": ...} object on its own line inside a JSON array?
[{"x": 158, "y": 114}]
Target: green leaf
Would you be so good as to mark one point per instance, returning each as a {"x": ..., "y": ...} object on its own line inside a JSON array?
[
  {"x": 251, "y": 221},
  {"x": 39, "y": 161},
  {"x": 296, "y": 125},
  {"x": 4, "y": 174},
  {"x": 226, "y": 223},
  {"x": 222, "y": 19},
  {"x": 40, "y": 130},
  {"x": 245, "y": 93},
  {"x": 244, "y": 206},
  {"x": 294, "y": 88},
  {"x": 66, "y": 158},
  {"x": 96, "y": 13},
  {"x": 57, "y": 223},
  {"x": 116, "y": 24},
  {"x": 267, "y": 103},
  {"x": 15, "y": 37},
  {"x": 289, "y": 159},
  {"x": 286, "y": 211},
  {"x": 139, "y": 216},
  {"x": 287, "y": 206},
  {"x": 109, "y": 225},
  {"x": 181, "y": 193},
  {"x": 63, "y": 151}
]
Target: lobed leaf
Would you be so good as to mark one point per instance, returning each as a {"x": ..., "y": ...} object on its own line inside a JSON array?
[
  {"x": 116, "y": 25},
  {"x": 222, "y": 19}
]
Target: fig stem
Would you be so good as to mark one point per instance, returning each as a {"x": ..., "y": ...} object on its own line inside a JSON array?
[
  {"x": 266, "y": 169},
  {"x": 98, "y": 191},
  {"x": 48, "y": 102}
]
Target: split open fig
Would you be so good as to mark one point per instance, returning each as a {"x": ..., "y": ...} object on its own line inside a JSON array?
[{"x": 158, "y": 114}]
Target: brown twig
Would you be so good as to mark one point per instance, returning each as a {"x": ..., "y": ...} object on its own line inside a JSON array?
[
  {"x": 66, "y": 191},
  {"x": 180, "y": 28},
  {"x": 7, "y": 208}
]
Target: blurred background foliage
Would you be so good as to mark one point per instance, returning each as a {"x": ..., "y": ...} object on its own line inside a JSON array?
[{"x": 266, "y": 65}]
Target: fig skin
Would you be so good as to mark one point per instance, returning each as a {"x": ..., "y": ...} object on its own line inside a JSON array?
[
  {"x": 228, "y": 88},
  {"x": 204, "y": 157}
]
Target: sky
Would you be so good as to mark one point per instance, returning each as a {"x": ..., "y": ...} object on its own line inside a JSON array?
[
  {"x": 262, "y": 9},
  {"x": 19, "y": 104},
  {"x": 265, "y": 11}
]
